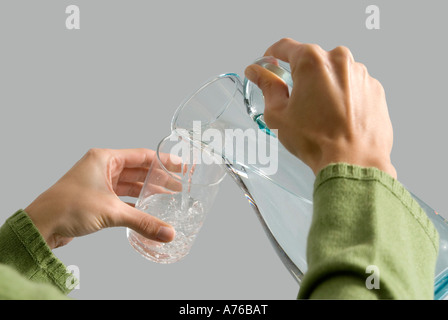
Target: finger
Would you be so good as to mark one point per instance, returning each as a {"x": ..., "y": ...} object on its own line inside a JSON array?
[
  {"x": 151, "y": 189},
  {"x": 275, "y": 90},
  {"x": 128, "y": 189},
  {"x": 133, "y": 175},
  {"x": 292, "y": 51},
  {"x": 148, "y": 226},
  {"x": 342, "y": 53},
  {"x": 283, "y": 49},
  {"x": 159, "y": 177},
  {"x": 134, "y": 158},
  {"x": 170, "y": 161}
]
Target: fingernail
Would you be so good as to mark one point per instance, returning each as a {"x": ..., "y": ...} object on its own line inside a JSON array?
[{"x": 165, "y": 234}]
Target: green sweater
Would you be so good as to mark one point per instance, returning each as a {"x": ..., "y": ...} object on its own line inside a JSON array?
[
  {"x": 363, "y": 217},
  {"x": 367, "y": 232},
  {"x": 28, "y": 267}
]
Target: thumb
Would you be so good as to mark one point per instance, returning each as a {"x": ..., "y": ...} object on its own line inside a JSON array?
[
  {"x": 148, "y": 226},
  {"x": 275, "y": 90}
]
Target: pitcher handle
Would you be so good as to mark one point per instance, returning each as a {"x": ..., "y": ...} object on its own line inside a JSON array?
[{"x": 253, "y": 96}]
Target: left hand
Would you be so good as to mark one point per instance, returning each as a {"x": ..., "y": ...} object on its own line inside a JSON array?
[{"x": 86, "y": 199}]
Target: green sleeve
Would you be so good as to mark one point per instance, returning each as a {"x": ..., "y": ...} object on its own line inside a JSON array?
[
  {"x": 363, "y": 217},
  {"x": 28, "y": 267}
]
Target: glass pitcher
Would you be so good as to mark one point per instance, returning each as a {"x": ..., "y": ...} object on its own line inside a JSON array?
[{"x": 225, "y": 115}]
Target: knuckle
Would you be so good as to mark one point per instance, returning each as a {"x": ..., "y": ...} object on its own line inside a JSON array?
[
  {"x": 379, "y": 87},
  {"x": 361, "y": 67},
  {"x": 94, "y": 152},
  {"x": 341, "y": 53},
  {"x": 286, "y": 40},
  {"x": 99, "y": 154},
  {"x": 146, "y": 226},
  {"x": 362, "y": 70},
  {"x": 341, "y": 50},
  {"x": 310, "y": 50},
  {"x": 309, "y": 56},
  {"x": 376, "y": 86}
]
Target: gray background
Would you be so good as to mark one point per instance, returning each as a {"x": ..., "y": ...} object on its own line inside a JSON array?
[{"x": 116, "y": 83}]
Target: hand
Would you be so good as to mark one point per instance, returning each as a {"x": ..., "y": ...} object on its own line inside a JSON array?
[
  {"x": 336, "y": 111},
  {"x": 86, "y": 199}
]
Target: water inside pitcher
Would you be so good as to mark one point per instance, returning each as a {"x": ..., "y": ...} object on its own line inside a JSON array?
[{"x": 225, "y": 116}]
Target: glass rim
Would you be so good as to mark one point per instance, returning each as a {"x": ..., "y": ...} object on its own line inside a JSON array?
[
  {"x": 204, "y": 86},
  {"x": 170, "y": 173}
]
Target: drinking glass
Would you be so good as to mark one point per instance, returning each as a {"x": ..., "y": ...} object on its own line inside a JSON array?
[{"x": 180, "y": 188}]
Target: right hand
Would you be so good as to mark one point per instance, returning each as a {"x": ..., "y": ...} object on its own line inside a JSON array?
[{"x": 336, "y": 112}]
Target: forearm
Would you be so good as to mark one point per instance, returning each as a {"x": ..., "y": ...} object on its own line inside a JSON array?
[{"x": 363, "y": 217}]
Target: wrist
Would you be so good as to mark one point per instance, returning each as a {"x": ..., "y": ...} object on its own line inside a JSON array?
[
  {"x": 382, "y": 163},
  {"x": 41, "y": 225},
  {"x": 43, "y": 214}
]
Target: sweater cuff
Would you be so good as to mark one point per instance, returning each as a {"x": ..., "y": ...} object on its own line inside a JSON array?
[
  {"x": 354, "y": 172},
  {"x": 364, "y": 217},
  {"x": 23, "y": 248}
]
